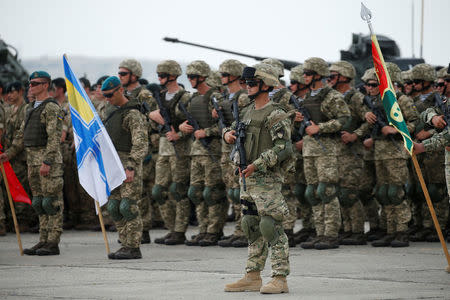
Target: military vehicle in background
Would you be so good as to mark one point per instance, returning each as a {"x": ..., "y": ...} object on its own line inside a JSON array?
[
  {"x": 10, "y": 67},
  {"x": 359, "y": 54}
]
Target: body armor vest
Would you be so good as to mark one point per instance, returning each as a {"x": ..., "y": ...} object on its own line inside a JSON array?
[
  {"x": 171, "y": 107},
  {"x": 258, "y": 138},
  {"x": 227, "y": 107},
  {"x": 199, "y": 109},
  {"x": 422, "y": 106},
  {"x": 279, "y": 94},
  {"x": 35, "y": 132},
  {"x": 313, "y": 103},
  {"x": 352, "y": 124}
]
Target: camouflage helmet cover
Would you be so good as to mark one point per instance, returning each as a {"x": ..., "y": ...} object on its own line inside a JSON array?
[
  {"x": 369, "y": 74},
  {"x": 407, "y": 75},
  {"x": 278, "y": 65},
  {"x": 442, "y": 73},
  {"x": 170, "y": 67},
  {"x": 198, "y": 67},
  {"x": 317, "y": 65},
  {"x": 424, "y": 72},
  {"x": 133, "y": 65},
  {"x": 344, "y": 68},
  {"x": 267, "y": 74},
  {"x": 214, "y": 79},
  {"x": 297, "y": 74},
  {"x": 232, "y": 67},
  {"x": 394, "y": 72}
]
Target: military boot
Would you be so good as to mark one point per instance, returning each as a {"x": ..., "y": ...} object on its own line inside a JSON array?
[
  {"x": 145, "y": 237},
  {"x": 290, "y": 236},
  {"x": 162, "y": 240},
  {"x": 277, "y": 285},
  {"x": 241, "y": 242},
  {"x": 303, "y": 234},
  {"x": 226, "y": 242},
  {"x": 194, "y": 241},
  {"x": 32, "y": 250},
  {"x": 433, "y": 236},
  {"x": 327, "y": 243},
  {"x": 251, "y": 282},
  {"x": 128, "y": 253},
  {"x": 211, "y": 239},
  {"x": 177, "y": 238},
  {"x": 375, "y": 234},
  {"x": 421, "y": 235},
  {"x": 48, "y": 249},
  {"x": 2, "y": 229},
  {"x": 355, "y": 239},
  {"x": 112, "y": 255},
  {"x": 311, "y": 242},
  {"x": 401, "y": 240},
  {"x": 344, "y": 235},
  {"x": 384, "y": 241}
]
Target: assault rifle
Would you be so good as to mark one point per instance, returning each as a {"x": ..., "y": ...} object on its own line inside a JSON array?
[
  {"x": 167, "y": 126},
  {"x": 193, "y": 122},
  {"x": 240, "y": 141},
  {"x": 219, "y": 111},
  {"x": 443, "y": 107}
]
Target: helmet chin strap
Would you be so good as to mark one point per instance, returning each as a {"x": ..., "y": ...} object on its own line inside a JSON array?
[{"x": 260, "y": 91}]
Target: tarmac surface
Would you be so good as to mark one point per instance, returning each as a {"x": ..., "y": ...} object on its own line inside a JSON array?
[{"x": 83, "y": 271}]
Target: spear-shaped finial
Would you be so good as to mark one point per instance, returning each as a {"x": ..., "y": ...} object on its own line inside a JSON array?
[{"x": 366, "y": 15}]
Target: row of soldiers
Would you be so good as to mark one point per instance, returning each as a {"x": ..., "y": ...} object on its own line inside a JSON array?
[{"x": 347, "y": 164}]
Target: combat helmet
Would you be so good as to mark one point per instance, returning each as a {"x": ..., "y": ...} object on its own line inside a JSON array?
[
  {"x": 232, "y": 67},
  {"x": 317, "y": 65},
  {"x": 276, "y": 64},
  {"x": 344, "y": 68},
  {"x": 369, "y": 74},
  {"x": 394, "y": 72},
  {"x": 133, "y": 65},
  {"x": 170, "y": 67},
  {"x": 262, "y": 71},
  {"x": 297, "y": 74},
  {"x": 443, "y": 73},
  {"x": 198, "y": 67},
  {"x": 407, "y": 75},
  {"x": 423, "y": 72},
  {"x": 214, "y": 79}
]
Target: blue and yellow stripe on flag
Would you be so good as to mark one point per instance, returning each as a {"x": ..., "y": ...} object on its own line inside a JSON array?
[
  {"x": 393, "y": 111},
  {"x": 92, "y": 143}
]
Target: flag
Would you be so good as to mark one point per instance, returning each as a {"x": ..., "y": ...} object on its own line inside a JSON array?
[
  {"x": 18, "y": 194},
  {"x": 393, "y": 111},
  {"x": 99, "y": 167}
]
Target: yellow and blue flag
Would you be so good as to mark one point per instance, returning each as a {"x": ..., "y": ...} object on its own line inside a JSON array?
[{"x": 99, "y": 167}]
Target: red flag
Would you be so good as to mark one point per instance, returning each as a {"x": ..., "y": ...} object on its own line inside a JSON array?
[{"x": 17, "y": 192}]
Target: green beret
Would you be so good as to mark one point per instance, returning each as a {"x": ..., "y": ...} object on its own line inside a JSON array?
[
  {"x": 39, "y": 74},
  {"x": 110, "y": 83}
]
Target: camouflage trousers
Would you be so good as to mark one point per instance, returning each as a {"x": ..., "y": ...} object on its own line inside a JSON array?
[
  {"x": 231, "y": 181},
  {"x": 303, "y": 205},
  {"x": 144, "y": 202},
  {"x": 206, "y": 174},
  {"x": 266, "y": 196},
  {"x": 327, "y": 215},
  {"x": 50, "y": 226},
  {"x": 397, "y": 217},
  {"x": 288, "y": 192},
  {"x": 367, "y": 183}
]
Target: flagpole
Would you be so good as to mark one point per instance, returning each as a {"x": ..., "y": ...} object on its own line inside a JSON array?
[
  {"x": 366, "y": 15},
  {"x": 102, "y": 225},
  {"x": 13, "y": 211}
]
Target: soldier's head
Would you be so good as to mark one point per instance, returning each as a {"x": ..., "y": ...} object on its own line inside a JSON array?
[
  {"x": 341, "y": 73},
  {"x": 297, "y": 80},
  {"x": 314, "y": 70},
  {"x": 443, "y": 77},
  {"x": 58, "y": 88},
  {"x": 168, "y": 71},
  {"x": 197, "y": 72},
  {"x": 130, "y": 70},
  {"x": 371, "y": 84},
  {"x": 423, "y": 76},
  {"x": 215, "y": 80},
  {"x": 407, "y": 82},
  {"x": 98, "y": 87},
  {"x": 395, "y": 73},
  {"x": 230, "y": 71},
  {"x": 113, "y": 90},
  {"x": 14, "y": 92},
  {"x": 276, "y": 64},
  {"x": 39, "y": 83},
  {"x": 260, "y": 79},
  {"x": 86, "y": 85}
]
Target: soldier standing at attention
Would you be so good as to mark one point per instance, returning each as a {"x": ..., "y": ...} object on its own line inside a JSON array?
[
  {"x": 267, "y": 146},
  {"x": 329, "y": 113},
  {"x": 40, "y": 134},
  {"x": 128, "y": 132}
]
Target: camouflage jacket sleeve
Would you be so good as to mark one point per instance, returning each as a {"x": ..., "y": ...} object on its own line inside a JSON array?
[
  {"x": 279, "y": 125},
  {"x": 17, "y": 143},
  {"x": 409, "y": 111},
  {"x": 134, "y": 122},
  {"x": 335, "y": 108},
  {"x": 427, "y": 115},
  {"x": 53, "y": 117},
  {"x": 437, "y": 141},
  {"x": 2, "y": 118}
]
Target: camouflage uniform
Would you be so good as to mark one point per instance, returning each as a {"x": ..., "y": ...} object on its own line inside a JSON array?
[{"x": 3, "y": 119}]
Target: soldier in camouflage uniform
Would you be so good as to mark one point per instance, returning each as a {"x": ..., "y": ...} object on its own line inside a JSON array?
[
  {"x": 40, "y": 134},
  {"x": 391, "y": 167},
  {"x": 172, "y": 166},
  {"x": 3, "y": 117},
  {"x": 206, "y": 189},
  {"x": 231, "y": 72},
  {"x": 351, "y": 163},
  {"x": 407, "y": 87},
  {"x": 440, "y": 84},
  {"x": 329, "y": 113},
  {"x": 128, "y": 132},
  {"x": 267, "y": 146},
  {"x": 423, "y": 76}
]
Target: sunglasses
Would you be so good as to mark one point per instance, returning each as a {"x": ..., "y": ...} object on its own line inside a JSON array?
[
  {"x": 417, "y": 81},
  {"x": 192, "y": 76},
  {"x": 440, "y": 84},
  {"x": 224, "y": 74},
  {"x": 294, "y": 82},
  {"x": 374, "y": 85},
  {"x": 36, "y": 83},
  {"x": 109, "y": 95},
  {"x": 163, "y": 75},
  {"x": 309, "y": 73},
  {"x": 333, "y": 76},
  {"x": 123, "y": 73},
  {"x": 408, "y": 82},
  {"x": 252, "y": 83}
]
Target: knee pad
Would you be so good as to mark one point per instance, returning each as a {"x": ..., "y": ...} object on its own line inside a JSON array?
[
  {"x": 410, "y": 189},
  {"x": 365, "y": 197},
  {"x": 395, "y": 194},
  {"x": 437, "y": 192},
  {"x": 310, "y": 195},
  {"x": 230, "y": 194},
  {"x": 47, "y": 205},
  {"x": 157, "y": 194},
  {"x": 237, "y": 195},
  {"x": 177, "y": 190},
  {"x": 36, "y": 203},
  {"x": 250, "y": 227},
  {"x": 347, "y": 197},
  {"x": 214, "y": 194},
  {"x": 113, "y": 209},
  {"x": 268, "y": 229},
  {"x": 326, "y": 192},
  {"x": 382, "y": 194},
  {"x": 195, "y": 194},
  {"x": 126, "y": 211},
  {"x": 299, "y": 191}
]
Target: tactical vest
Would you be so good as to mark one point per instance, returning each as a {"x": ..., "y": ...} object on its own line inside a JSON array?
[
  {"x": 258, "y": 138},
  {"x": 313, "y": 103},
  {"x": 352, "y": 124},
  {"x": 421, "y": 107},
  {"x": 199, "y": 109},
  {"x": 227, "y": 107},
  {"x": 120, "y": 137},
  {"x": 279, "y": 94},
  {"x": 35, "y": 132},
  {"x": 171, "y": 107}
]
